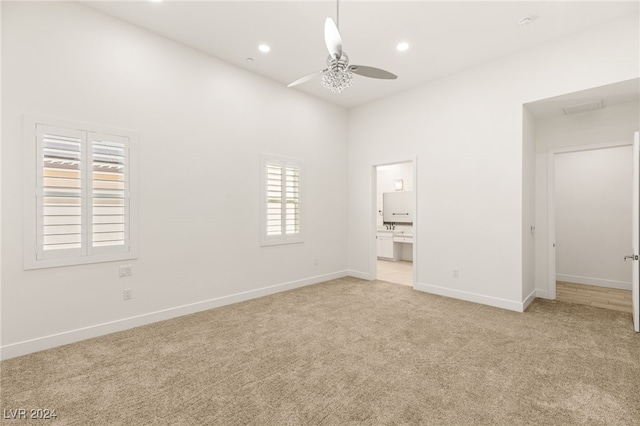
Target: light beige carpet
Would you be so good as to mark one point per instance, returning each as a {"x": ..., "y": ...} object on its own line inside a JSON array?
[{"x": 345, "y": 352}]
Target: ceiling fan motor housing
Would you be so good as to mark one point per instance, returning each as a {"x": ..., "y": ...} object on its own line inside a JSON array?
[{"x": 338, "y": 65}]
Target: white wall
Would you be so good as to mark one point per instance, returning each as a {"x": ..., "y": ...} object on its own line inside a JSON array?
[
  {"x": 611, "y": 124},
  {"x": 202, "y": 124},
  {"x": 467, "y": 133},
  {"x": 593, "y": 216}
]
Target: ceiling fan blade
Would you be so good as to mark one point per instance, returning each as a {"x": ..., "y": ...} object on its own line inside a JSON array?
[
  {"x": 306, "y": 78},
  {"x": 372, "y": 72},
  {"x": 332, "y": 38}
]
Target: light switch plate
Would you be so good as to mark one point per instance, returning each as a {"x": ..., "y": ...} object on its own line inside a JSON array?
[{"x": 126, "y": 270}]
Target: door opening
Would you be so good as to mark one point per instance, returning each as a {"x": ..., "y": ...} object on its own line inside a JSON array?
[
  {"x": 394, "y": 223},
  {"x": 590, "y": 212}
]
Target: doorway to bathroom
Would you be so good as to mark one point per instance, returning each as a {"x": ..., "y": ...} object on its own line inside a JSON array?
[{"x": 394, "y": 222}]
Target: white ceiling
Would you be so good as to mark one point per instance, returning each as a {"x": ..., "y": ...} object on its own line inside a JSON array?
[{"x": 444, "y": 36}]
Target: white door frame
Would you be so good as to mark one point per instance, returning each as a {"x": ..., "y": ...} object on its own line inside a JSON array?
[
  {"x": 635, "y": 237},
  {"x": 551, "y": 203},
  {"x": 373, "y": 255}
]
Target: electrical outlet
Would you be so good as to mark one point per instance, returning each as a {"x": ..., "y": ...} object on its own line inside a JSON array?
[
  {"x": 127, "y": 294},
  {"x": 455, "y": 272},
  {"x": 126, "y": 271},
  {"x": 315, "y": 262}
]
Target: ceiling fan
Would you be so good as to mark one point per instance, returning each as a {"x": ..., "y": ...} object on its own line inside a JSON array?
[{"x": 338, "y": 74}]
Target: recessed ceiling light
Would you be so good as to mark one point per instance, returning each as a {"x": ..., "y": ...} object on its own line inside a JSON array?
[
  {"x": 155, "y": 1},
  {"x": 402, "y": 46},
  {"x": 525, "y": 21},
  {"x": 264, "y": 48}
]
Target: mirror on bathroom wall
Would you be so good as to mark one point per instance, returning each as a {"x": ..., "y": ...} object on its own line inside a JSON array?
[{"x": 398, "y": 207}]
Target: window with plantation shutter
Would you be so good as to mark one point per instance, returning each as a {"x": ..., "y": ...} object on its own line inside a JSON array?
[
  {"x": 82, "y": 211},
  {"x": 281, "y": 201}
]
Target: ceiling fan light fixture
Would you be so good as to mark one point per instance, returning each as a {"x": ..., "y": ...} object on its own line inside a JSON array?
[
  {"x": 336, "y": 81},
  {"x": 338, "y": 75}
]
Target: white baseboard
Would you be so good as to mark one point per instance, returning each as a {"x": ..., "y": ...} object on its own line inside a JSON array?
[
  {"x": 543, "y": 294},
  {"x": 47, "y": 342},
  {"x": 622, "y": 285},
  {"x": 473, "y": 297},
  {"x": 359, "y": 274},
  {"x": 527, "y": 300}
]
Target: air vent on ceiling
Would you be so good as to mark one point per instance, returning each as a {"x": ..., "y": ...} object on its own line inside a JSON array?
[{"x": 583, "y": 107}]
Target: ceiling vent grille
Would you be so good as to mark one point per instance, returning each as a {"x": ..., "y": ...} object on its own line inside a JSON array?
[{"x": 583, "y": 107}]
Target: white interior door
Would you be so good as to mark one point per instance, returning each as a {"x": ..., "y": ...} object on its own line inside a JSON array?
[{"x": 635, "y": 237}]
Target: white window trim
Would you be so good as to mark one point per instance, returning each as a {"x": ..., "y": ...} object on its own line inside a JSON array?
[
  {"x": 30, "y": 167},
  {"x": 281, "y": 239}
]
